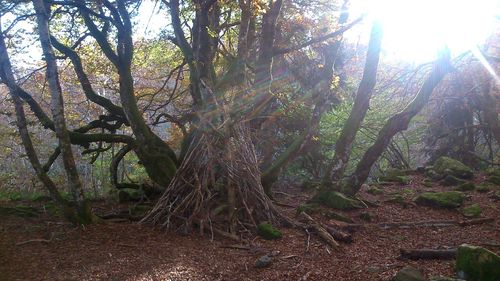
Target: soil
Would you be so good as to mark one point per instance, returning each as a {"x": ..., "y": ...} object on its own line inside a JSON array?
[{"x": 130, "y": 251}]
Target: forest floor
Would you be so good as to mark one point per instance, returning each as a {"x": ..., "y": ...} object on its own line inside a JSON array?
[{"x": 129, "y": 251}]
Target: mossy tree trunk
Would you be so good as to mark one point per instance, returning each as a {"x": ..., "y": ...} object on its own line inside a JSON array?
[
  {"x": 57, "y": 109},
  {"x": 343, "y": 146}
]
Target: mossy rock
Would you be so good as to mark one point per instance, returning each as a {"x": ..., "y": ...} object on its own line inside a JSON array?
[
  {"x": 494, "y": 179},
  {"x": 433, "y": 175},
  {"x": 448, "y": 199},
  {"x": 427, "y": 182},
  {"x": 485, "y": 187},
  {"x": 449, "y": 166},
  {"x": 477, "y": 264},
  {"x": 472, "y": 211},
  {"x": 397, "y": 179},
  {"x": 336, "y": 200},
  {"x": 268, "y": 232},
  {"x": 409, "y": 273},
  {"x": 375, "y": 190},
  {"x": 468, "y": 186},
  {"x": 19, "y": 211},
  {"x": 129, "y": 194},
  {"x": 309, "y": 208},
  {"x": 450, "y": 180},
  {"x": 336, "y": 216},
  {"x": 398, "y": 198}
]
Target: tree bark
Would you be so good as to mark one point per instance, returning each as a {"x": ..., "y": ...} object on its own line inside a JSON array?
[
  {"x": 343, "y": 146},
  {"x": 396, "y": 124},
  {"x": 57, "y": 108}
]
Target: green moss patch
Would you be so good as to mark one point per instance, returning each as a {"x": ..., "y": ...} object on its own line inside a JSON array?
[
  {"x": 448, "y": 199},
  {"x": 268, "y": 232},
  {"x": 449, "y": 166},
  {"x": 472, "y": 211},
  {"x": 494, "y": 179},
  {"x": 336, "y": 200},
  {"x": 476, "y": 263},
  {"x": 20, "y": 211},
  {"x": 375, "y": 190},
  {"x": 468, "y": 186}
]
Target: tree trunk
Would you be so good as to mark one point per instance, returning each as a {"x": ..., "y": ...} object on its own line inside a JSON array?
[
  {"x": 343, "y": 146},
  {"x": 57, "y": 108},
  {"x": 394, "y": 125}
]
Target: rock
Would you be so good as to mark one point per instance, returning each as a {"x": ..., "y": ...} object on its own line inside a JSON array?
[
  {"x": 336, "y": 216},
  {"x": 420, "y": 169},
  {"x": 494, "y": 179},
  {"x": 433, "y": 175},
  {"x": 449, "y": 166},
  {"x": 468, "y": 186},
  {"x": 472, "y": 211},
  {"x": 336, "y": 200},
  {"x": 485, "y": 187},
  {"x": 448, "y": 199},
  {"x": 268, "y": 232},
  {"x": 427, "y": 182},
  {"x": 450, "y": 180},
  {"x": 394, "y": 178},
  {"x": 397, "y": 197},
  {"x": 366, "y": 216},
  {"x": 375, "y": 190},
  {"x": 409, "y": 273},
  {"x": 477, "y": 264},
  {"x": 263, "y": 261},
  {"x": 309, "y": 208},
  {"x": 129, "y": 194}
]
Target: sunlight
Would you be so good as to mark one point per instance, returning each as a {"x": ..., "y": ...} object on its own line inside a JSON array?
[{"x": 417, "y": 30}]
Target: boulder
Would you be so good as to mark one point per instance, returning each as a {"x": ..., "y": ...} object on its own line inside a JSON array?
[
  {"x": 450, "y": 180},
  {"x": 336, "y": 200},
  {"x": 448, "y": 199},
  {"x": 477, "y": 264},
  {"x": 468, "y": 186},
  {"x": 268, "y": 232},
  {"x": 449, "y": 166},
  {"x": 472, "y": 211},
  {"x": 263, "y": 261},
  {"x": 494, "y": 179},
  {"x": 409, "y": 273},
  {"x": 485, "y": 187}
]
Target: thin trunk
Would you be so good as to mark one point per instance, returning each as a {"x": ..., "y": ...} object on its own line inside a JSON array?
[
  {"x": 57, "y": 108},
  {"x": 344, "y": 144},
  {"x": 394, "y": 125}
]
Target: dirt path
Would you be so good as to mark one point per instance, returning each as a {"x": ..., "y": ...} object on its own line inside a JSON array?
[{"x": 127, "y": 251}]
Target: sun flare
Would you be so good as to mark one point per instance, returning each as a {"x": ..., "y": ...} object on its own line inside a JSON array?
[{"x": 417, "y": 30}]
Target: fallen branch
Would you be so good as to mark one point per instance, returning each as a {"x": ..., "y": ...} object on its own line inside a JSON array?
[
  {"x": 33, "y": 241},
  {"x": 431, "y": 223},
  {"x": 339, "y": 235},
  {"x": 320, "y": 230},
  {"x": 428, "y": 254}
]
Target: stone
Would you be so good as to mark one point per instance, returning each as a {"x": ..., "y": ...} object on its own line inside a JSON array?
[
  {"x": 468, "y": 186},
  {"x": 433, "y": 175},
  {"x": 427, "y": 182},
  {"x": 494, "y": 179},
  {"x": 268, "y": 232},
  {"x": 472, "y": 211},
  {"x": 263, "y": 261},
  {"x": 336, "y": 200},
  {"x": 336, "y": 216},
  {"x": 447, "y": 199},
  {"x": 449, "y": 166},
  {"x": 477, "y": 264},
  {"x": 485, "y": 187},
  {"x": 409, "y": 273},
  {"x": 450, "y": 180}
]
